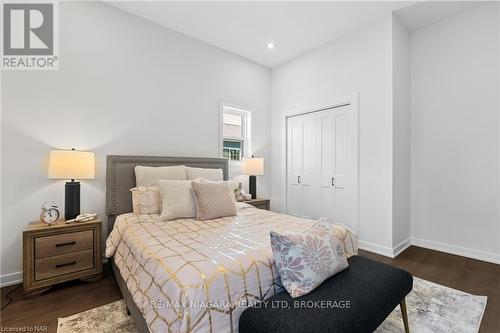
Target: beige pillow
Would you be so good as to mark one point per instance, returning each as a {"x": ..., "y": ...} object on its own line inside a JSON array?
[
  {"x": 212, "y": 200},
  {"x": 149, "y": 176},
  {"x": 177, "y": 199},
  {"x": 210, "y": 174},
  {"x": 229, "y": 184},
  {"x": 146, "y": 200}
]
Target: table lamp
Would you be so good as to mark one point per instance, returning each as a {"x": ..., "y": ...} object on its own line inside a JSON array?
[
  {"x": 71, "y": 164},
  {"x": 252, "y": 166}
]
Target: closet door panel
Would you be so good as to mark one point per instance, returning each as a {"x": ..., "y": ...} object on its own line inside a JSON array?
[
  {"x": 325, "y": 164},
  {"x": 340, "y": 168},
  {"x": 294, "y": 165},
  {"x": 308, "y": 180},
  {"x": 340, "y": 150}
]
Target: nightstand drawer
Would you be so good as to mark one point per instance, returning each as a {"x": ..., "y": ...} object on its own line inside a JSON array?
[
  {"x": 54, "y": 245},
  {"x": 63, "y": 264}
]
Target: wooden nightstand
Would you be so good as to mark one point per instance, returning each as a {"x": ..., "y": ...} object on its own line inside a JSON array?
[
  {"x": 59, "y": 253},
  {"x": 260, "y": 203}
]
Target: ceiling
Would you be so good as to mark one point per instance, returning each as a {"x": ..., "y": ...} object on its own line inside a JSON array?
[
  {"x": 426, "y": 13},
  {"x": 244, "y": 28}
]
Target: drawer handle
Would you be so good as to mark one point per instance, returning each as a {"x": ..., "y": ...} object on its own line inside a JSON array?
[
  {"x": 67, "y": 264},
  {"x": 68, "y": 243}
]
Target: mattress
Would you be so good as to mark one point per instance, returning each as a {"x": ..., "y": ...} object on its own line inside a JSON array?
[{"x": 187, "y": 275}]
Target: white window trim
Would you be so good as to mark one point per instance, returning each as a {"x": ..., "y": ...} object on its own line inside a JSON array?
[{"x": 246, "y": 128}]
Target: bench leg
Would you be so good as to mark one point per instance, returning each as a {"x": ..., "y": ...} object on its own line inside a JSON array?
[{"x": 405, "y": 315}]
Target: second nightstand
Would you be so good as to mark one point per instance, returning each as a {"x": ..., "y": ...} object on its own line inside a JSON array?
[
  {"x": 260, "y": 203},
  {"x": 59, "y": 253}
]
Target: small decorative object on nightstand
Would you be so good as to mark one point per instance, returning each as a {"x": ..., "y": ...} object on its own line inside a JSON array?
[
  {"x": 260, "y": 203},
  {"x": 60, "y": 252},
  {"x": 49, "y": 213}
]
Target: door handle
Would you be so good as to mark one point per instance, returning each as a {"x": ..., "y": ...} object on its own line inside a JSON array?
[
  {"x": 298, "y": 179},
  {"x": 333, "y": 181}
]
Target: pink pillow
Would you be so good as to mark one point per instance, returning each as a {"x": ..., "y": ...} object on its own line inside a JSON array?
[{"x": 212, "y": 200}]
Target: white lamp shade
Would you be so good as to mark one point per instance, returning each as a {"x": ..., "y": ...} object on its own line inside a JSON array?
[
  {"x": 71, "y": 164},
  {"x": 252, "y": 166}
]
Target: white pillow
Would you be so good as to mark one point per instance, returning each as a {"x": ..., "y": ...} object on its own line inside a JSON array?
[
  {"x": 229, "y": 183},
  {"x": 149, "y": 176},
  {"x": 177, "y": 199},
  {"x": 215, "y": 175}
]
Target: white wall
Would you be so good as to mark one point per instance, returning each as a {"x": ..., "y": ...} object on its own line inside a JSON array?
[
  {"x": 358, "y": 62},
  {"x": 401, "y": 128},
  {"x": 124, "y": 86},
  {"x": 455, "y": 134}
]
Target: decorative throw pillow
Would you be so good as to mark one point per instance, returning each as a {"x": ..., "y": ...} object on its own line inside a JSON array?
[
  {"x": 305, "y": 261},
  {"x": 345, "y": 236},
  {"x": 213, "y": 200},
  {"x": 229, "y": 184},
  {"x": 215, "y": 175},
  {"x": 177, "y": 199},
  {"x": 146, "y": 200},
  {"x": 149, "y": 176}
]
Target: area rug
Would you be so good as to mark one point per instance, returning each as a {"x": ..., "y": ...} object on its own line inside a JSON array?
[{"x": 431, "y": 308}]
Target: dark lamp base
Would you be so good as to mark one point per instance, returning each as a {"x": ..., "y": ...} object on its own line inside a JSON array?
[
  {"x": 72, "y": 200},
  {"x": 252, "y": 184}
]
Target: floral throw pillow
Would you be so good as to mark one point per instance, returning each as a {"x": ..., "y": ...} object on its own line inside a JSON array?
[{"x": 305, "y": 261}]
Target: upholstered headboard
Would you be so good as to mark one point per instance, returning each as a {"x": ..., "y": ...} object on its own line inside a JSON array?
[{"x": 120, "y": 177}]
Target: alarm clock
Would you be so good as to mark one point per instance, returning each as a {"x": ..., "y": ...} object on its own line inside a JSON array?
[{"x": 49, "y": 213}]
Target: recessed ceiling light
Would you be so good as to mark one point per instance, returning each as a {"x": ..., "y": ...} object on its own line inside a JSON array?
[{"x": 270, "y": 45}]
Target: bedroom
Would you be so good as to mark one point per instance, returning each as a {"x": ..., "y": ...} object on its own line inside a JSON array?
[{"x": 418, "y": 83}]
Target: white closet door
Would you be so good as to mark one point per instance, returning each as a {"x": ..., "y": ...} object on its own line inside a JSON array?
[
  {"x": 333, "y": 200},
  {"x": 326, "y": 165},
  {"x": 342, "y": 179},
  {"x": 321, "y": 165},
  {"x": 301, "y": 173},
  {"x": 294, "y": 165},
  {"x": 308, "y": 178}
]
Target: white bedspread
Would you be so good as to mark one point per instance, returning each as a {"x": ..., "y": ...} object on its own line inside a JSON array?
[{"x": 192, "y": 276}]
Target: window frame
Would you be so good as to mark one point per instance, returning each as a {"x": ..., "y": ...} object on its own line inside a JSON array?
[{"x": 246, "y": 128}]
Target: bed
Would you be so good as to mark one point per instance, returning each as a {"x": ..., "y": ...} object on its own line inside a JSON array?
[{"x": 187, "y": 275}]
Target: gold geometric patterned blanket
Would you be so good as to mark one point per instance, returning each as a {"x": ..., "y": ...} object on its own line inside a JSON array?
[{"x": 192, "y": 276}]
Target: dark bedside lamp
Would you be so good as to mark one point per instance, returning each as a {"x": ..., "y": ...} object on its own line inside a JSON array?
[
  {"x": 252, "y": 166},
  {"x": 71, "y": 164}
]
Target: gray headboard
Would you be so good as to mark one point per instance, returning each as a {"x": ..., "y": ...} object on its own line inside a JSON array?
[{"x": 120, "y": 177}]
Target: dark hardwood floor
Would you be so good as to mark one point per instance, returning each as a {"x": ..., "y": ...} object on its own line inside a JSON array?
[
  {"x": 473, "y": 276},
  {"x": 61, "y": 301},
  {"x": 469, "y": 275}
]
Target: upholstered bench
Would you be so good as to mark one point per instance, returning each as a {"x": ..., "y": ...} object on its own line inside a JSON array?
[{"x": 357, "y": 299}]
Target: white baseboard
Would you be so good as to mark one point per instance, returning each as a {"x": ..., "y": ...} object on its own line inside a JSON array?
[
  {"x": 385, "y": 250},
  {"x": 398, "y": 249},
  {"x": 10, "y": 279},
  {"x": 457, "y": 250},
  {"x": 375, "y": 248}
]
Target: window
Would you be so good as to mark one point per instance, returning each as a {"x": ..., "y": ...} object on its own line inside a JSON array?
[{"x": 235, "y": 133}]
